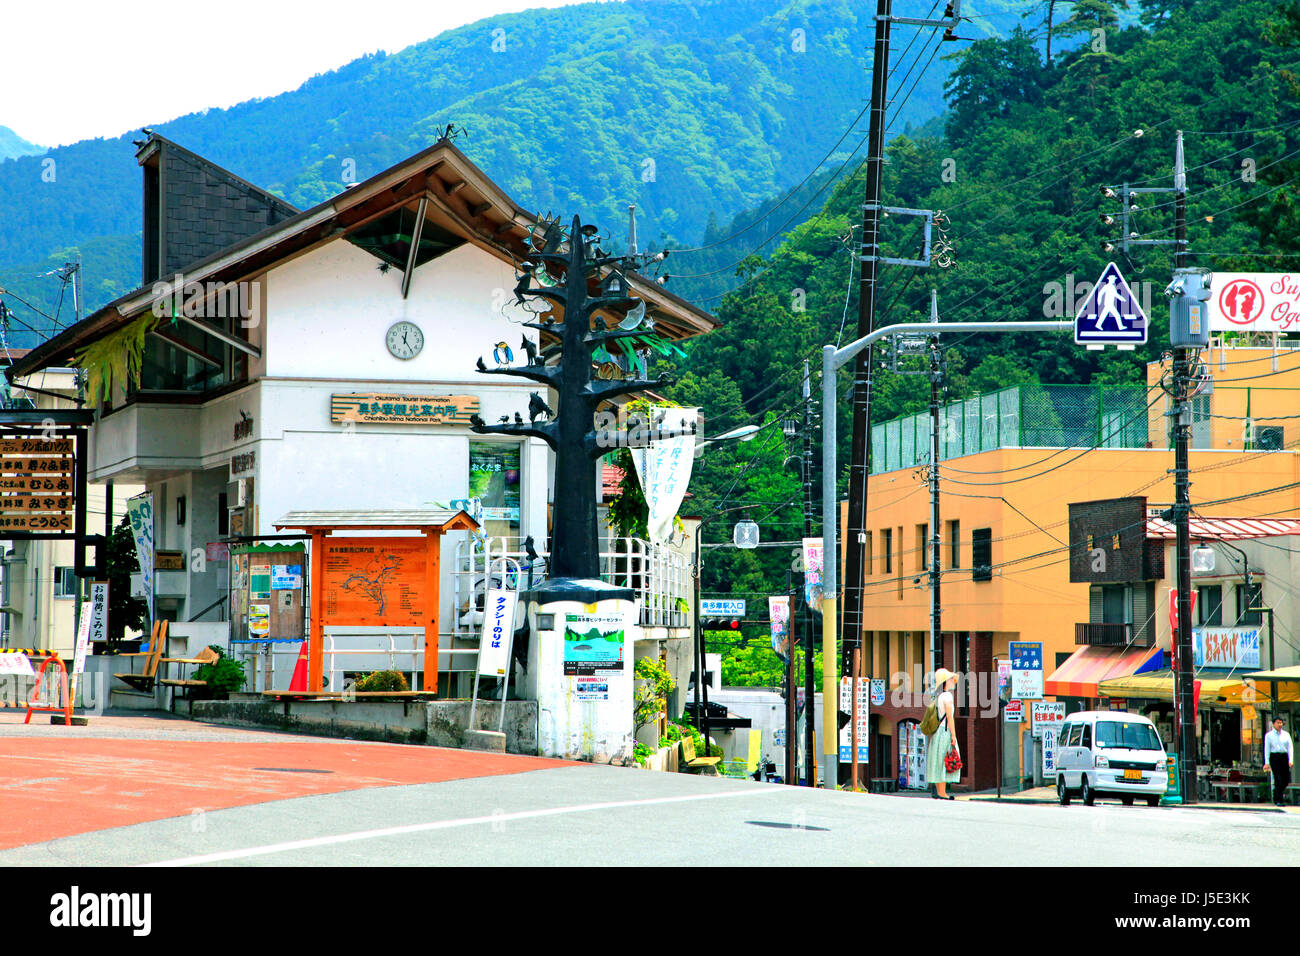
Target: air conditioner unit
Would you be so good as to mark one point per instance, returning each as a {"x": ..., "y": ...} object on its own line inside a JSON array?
[{"x": 1268, "y": 437}]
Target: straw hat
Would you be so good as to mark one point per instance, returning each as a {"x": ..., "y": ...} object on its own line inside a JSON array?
[{"x": 942, "y": 676}]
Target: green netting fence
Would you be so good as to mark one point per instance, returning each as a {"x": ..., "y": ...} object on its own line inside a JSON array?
[{"x": 1023, "y": 416}]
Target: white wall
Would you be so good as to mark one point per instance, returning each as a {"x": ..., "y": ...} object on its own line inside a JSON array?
[{"x": 328, "y": 312}]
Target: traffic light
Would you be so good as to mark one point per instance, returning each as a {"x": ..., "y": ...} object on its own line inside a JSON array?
[{"x": 720, "y": 624}]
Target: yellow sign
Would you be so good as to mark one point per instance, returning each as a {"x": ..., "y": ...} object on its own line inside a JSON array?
[
  {"x": 36, "y": 446},
  {"x": 35, "y": 466},
  {"x": 10, "y": 503},
  {"x": 36, "y": 522},
  {"x": 403, "y": 409},
  {"x": 374, "y": 581},
  {"x": 1249, "y": 712}
]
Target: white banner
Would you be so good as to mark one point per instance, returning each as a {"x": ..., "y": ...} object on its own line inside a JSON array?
[
  {"x": 1254, "y": 302},
  {"x": 664, "y": 468},
  {"x": 139, "y": 512},
  {"x": 15, "y": 663},
  {"x": 778, "y": 613},
  {"x": 812, "y": 572},
  {"x": 498, "y": 629},
  {"x": 1049, "y": 752},
  {"x": 1225, "y": 647}
]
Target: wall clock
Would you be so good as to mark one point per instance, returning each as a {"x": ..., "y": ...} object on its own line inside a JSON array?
[{"x": 404, "y": 340}]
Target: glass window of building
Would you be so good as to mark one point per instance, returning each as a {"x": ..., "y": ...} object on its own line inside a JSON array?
[{"x": 494, "y": 478}]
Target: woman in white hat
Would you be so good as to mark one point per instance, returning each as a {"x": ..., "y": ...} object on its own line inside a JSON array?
[{"x": 943, "y": 740}]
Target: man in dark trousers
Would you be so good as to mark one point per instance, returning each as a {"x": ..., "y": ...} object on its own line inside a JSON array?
[{"x": 1279, "y": 754}]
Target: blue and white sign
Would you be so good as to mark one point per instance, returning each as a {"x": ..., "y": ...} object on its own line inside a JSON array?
[
  {"x": 1049, "y": 753},
  {"x": 1026, "y": 670},
  {"x": 1111, "y": 314},
  {"x": 722, "y": 607},
  {"x": 498, "y": 629}
]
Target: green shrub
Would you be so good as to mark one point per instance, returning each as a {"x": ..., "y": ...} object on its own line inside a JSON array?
[
  {"x": 641, "y": 753},
  {"x": 223, "y": 676},
  {"x": 381, "y": 681}
]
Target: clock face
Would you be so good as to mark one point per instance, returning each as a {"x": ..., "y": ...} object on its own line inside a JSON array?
[{"x": 405, "y": 340}]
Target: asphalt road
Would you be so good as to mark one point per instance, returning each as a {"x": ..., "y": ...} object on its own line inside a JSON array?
[{"x": 201, "y": 795}]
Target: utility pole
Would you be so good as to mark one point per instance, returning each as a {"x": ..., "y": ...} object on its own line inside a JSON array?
[
  {"x": 791, "y": 725},
  {"x": 855, "y": 534},
  {"x": 936, "y": 382},
  {"x": 1188, "y": 334},
  {"x": 809, "y": 690}
]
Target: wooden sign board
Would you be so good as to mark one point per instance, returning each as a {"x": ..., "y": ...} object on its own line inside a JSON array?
[
  {"x": 169, "y": 561},
  {"x": 36, "y": 484},
  {"x": 374, "y": 581},
  {"x": 32, "y": 503},
  {"x": 36, "y": 522},
  {"x": 36, "y": 446},
  {"x": 10, "y": 465},
  {"x": 403, "y": 409}
]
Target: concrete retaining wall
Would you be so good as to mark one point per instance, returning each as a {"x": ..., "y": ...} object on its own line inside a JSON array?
[{"x": 441, "y": 723}]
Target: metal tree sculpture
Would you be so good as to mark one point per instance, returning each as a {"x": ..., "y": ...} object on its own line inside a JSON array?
[{"x": 571, "y": 430}]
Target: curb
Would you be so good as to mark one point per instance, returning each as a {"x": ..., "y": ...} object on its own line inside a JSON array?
[{"x": 1230, "y": 807}]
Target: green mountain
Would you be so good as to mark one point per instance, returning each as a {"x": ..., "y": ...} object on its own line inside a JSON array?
[
  {"x": 12, "y": 145},
  {"x": 691, "y": 109}
]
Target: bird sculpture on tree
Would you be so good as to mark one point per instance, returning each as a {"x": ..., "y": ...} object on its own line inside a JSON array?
[{"x": 572, "y": 433}]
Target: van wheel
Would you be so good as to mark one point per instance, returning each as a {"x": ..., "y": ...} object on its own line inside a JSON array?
[
  {"x": 1127, "y": 801},
  {"x": 1085, "y": 791},
  {"x": 1062, "y": 791},
  {"x": 1153, "y": 801}
]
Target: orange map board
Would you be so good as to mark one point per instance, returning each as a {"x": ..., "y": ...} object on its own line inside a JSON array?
[{"x": 374, "y": 581}]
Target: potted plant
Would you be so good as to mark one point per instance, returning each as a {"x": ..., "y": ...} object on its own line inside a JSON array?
[{"x": 221, "y": 677}]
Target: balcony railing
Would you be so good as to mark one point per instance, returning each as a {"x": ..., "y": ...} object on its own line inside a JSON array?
[{"x": 1110, "y": 635}]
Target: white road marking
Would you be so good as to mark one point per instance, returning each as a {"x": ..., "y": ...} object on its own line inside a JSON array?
[{"x": 498, "y": 819}]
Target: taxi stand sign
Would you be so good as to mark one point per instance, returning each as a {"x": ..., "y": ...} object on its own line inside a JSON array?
[{"x": 1111, "y": 314}]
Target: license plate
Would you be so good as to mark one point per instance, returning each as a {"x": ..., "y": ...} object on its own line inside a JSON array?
[{"x": 1132, "y": 774}]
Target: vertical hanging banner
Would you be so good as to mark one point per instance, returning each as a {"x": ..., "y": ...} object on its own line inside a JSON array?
[
  {"x": 778, "y": 612},
  {"x": 139, "y": 512},
  {"x": 498, "y": 628},
  {"x": 812, "y": 572},
  {"x": 664, "y": 468}
]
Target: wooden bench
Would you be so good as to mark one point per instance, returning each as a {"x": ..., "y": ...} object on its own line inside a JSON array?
[
  {"x": 884, "y": 785},
  {"x": 206, "y": 656},
  {"x": 144, "y": 681},
  {"x": 690, "y": 762}
]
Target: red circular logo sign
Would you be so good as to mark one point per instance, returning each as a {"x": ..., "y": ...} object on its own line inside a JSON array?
[{"x": 1241, "y": 301}]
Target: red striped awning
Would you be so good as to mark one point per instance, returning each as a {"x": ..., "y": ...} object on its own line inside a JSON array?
[{"x": 1086, "y": 667}]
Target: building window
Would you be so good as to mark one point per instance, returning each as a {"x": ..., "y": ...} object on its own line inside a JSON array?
[
  {"x": 923, "y": 547},
  {"x": 1209, "y": 605},
  {"x": 954, "y": 544},
  {"x": 65, "y": 583},
  {"x": 494, "y": 480},
  {"x": 887, "y": 546},
  {"x": 866, "y": 556},
  {"x": 1245, "y": 616},
  {"x": 981, "y": 554},
  {"x": 1116, "y": 604}
]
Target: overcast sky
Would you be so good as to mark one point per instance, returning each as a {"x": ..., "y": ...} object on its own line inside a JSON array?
[{"x": 86, "y": 68}]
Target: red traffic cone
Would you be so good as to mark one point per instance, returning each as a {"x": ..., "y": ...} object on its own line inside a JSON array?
[{"x": 299, "y": 681}]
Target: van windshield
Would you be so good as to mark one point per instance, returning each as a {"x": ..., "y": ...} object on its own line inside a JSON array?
[{"x": 1127, "y": 735}]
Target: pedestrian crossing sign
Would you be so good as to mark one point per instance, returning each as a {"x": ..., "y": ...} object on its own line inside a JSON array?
[{"x": 1111, "y": 314}]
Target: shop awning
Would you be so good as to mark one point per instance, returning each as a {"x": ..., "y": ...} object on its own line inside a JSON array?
[
  {"x": 1088, "y": 666},
  {"x": 1278, "y": 673},
  {"x": 1217, "y": 687}
]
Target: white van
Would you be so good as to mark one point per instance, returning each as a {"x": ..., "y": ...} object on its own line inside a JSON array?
[{"x": 1111, "y": 753}]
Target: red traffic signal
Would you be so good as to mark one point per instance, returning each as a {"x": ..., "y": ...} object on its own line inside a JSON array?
[{"x": 720, "y": 624}]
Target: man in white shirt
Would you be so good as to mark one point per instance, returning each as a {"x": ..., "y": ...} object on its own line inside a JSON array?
[{"x": 1279, "y": 754}]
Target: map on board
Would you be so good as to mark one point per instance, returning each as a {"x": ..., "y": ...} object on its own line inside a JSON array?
[{"x": 374, "y": 581}]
